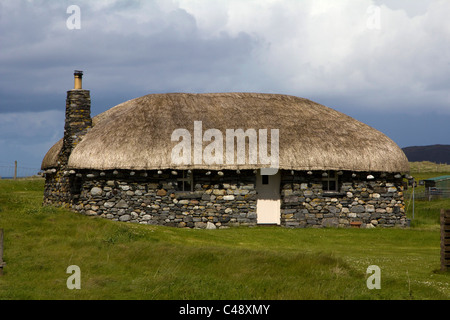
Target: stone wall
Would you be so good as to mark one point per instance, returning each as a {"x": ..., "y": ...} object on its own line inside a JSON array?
[
  {"x": 60, "y": 183},
  {"x": 78, "y": 119},
  {"x": 152, "y": 198},
  {"x": 357, "y": 201},
  {"x": 57, "y": 188},
  {"x": 229, "y": 199}
]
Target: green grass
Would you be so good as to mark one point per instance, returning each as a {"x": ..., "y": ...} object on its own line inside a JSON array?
[
  {"x": 132, "y": 261},
  {"x": 428, "y": 167},
  {"x": 426, "y": 213}
]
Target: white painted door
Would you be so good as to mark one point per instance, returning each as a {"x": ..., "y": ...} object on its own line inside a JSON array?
[{"x": 268, "y": 203}]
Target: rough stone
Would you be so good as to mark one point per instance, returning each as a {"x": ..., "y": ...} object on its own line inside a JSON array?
[
  {"x": 109, "y": 204},
  {"x": 200, "y": 225},
  {"x": 161, "y": 192},
  {"x": 330, "y": 222},
  {"x": 96, "y": 191},
  {"x": 125, "y": 217},
  {"x": 91, "y": 213},
  {"x": 210, "y": 225},
  {"x": 121, "y": 204},
  {"x": 357, "y": 209},
  {"x": 308, "y": 193}
]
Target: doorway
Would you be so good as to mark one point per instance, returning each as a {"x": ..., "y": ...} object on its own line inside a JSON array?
[{"x": 269, "y": 200}]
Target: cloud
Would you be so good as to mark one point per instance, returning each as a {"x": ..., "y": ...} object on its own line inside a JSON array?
[
  {"x": 375, "y": 57},
  {"x": 25, "y": 125},
  {"x": 30, "y": 135},
  {"x": 308, "y": 48},
  {"x": 327, "y": 49},
  {"x": 135, "y": 49}
]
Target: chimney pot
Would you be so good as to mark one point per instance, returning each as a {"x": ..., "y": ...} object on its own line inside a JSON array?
[{"x": 78, "y": 76}]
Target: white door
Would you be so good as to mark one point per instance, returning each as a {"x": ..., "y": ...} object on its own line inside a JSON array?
[{"x": 268, "y": 203}]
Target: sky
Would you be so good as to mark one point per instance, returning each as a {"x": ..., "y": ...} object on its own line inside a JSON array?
[{"x": 385, "y": 63}]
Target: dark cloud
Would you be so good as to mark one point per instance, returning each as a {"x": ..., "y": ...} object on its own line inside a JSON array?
[
  {"x": 390, "y": 77},
  {"x": 165, "y": 58}
]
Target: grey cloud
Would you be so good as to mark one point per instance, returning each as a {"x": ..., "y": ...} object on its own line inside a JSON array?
[
  {"x": 167, "y": 57},
  {"x": 389, "y": 78},
  {"x": 411, "y": 7}
]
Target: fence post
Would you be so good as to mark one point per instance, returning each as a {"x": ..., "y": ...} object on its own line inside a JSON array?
[
  {"x": 15, "y": 170},
  {"x": 445, "y": 239},
  {"x": 413, "y": 197},
  {"x": 2, "y": 264}
]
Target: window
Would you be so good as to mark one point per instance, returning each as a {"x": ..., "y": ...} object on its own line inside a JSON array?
[
  {"x": 186, "y": 181},
  {"x": 330, "y": 181},
  {"x": 75, "y": 185},
  {"x": 265, "y": 179}
]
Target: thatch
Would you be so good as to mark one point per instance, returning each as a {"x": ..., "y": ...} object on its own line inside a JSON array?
[
  {"x": 137, "y": 134},
  {"x": 51, "y": 157}
]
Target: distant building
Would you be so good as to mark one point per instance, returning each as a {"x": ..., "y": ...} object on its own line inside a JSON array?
[
  {"x": 437, "y": 187},
  {"x": 333, "y": 170}
]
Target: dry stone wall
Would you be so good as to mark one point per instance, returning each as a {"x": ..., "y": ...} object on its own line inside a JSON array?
[
  {"x": 215, "y": 201},
  {"x": 357, "y": 202},
  {"x": 59, "y": 186},
  {"x": 229, "y": 199}
]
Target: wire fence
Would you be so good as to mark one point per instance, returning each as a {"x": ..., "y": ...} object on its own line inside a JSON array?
[
  {"x": 433, "y": 193},
  {"x": 430, "y": 193},
  {"x": 12, "y": 171}
]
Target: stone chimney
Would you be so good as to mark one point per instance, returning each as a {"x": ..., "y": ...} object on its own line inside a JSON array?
[{"x": 78, "y": 117}]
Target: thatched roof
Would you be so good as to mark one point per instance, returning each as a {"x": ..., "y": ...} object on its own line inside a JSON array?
[{"x": 137, "y": 134}]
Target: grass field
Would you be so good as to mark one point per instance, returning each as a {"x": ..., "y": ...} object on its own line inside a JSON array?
[
  {"x": 428, "y": 167},
  {"x": 132, "y": 261}
]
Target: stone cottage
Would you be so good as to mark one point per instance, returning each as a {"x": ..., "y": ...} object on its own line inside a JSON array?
[{"x": 224, "y": 159}]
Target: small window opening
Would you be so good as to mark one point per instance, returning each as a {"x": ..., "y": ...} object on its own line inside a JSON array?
[
  {"x": 265, "y": 179},
  {"x": 186, "y": 181},
  {"x": 330, "y": 181},
  {"x": 75, "y": 185}
]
